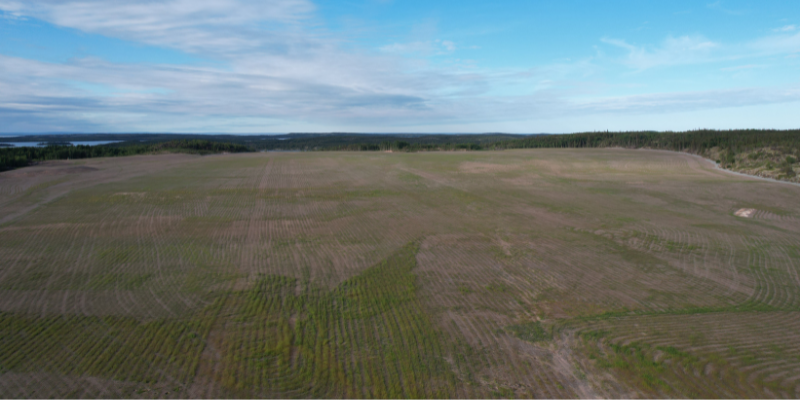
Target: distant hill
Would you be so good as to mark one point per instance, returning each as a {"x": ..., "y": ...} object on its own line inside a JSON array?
[
  {"x": 290, "y": 141},
  {"x": 766, "y": 153}
]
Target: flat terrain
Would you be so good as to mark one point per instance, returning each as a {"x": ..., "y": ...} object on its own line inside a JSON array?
[{"x": 525, "y": 273}]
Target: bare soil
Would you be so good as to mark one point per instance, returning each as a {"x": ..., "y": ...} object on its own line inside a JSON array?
[{"x": 699, "y": 267}]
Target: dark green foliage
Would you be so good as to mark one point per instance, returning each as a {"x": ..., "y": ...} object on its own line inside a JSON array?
[
  {"x": 730, "y": 157},
  {"x": 16, "y": 157},
  {"x": 787, "y": 170},
  {"x": 380, "y": 142},
  {"x": 531, "y": 331},
  {"x": 786, "y": 167},
  {"x": 699, "y": 141}
]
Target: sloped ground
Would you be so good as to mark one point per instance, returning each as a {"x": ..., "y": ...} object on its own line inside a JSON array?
[{"x": 540, "y": 273}]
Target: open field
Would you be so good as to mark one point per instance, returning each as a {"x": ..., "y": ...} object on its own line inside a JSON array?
[{"x": 520, "y": 273}]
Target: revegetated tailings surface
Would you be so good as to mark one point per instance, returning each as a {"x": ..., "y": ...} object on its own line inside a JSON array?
[{"x": 529, "y": 273}]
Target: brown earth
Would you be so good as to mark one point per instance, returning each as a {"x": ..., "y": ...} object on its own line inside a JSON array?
[{"x": 604, "y": 248}]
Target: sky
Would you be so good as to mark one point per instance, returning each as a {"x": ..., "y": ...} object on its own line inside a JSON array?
[{"x": 464, "y": 66}]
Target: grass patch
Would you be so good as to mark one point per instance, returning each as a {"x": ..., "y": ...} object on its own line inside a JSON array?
[
  {"x": 496, "y": 287},
  {"x": 325, "y": 343},
  {"x": 124, "y": 281},
  {"x": 530, "y": 331},
  {"x": 111, "y": 347}
]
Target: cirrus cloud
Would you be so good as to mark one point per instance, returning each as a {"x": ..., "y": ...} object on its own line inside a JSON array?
[{"x": 274, "y": 64}]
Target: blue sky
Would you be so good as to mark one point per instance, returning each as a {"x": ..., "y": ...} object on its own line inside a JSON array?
[{"x": 397, "y": 66}]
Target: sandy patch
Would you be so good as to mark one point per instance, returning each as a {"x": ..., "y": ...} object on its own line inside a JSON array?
[{"x": 505, "y": 246}]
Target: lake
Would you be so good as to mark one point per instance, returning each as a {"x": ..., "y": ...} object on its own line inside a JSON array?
[{"x": 74, "y": 143}]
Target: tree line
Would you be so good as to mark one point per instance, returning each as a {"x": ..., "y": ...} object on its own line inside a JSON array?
[
  {"x": 16, "y": 157},
  {"x": 783, "y": 144},
  {"x": 400, "y": 145},
  {"x": 699, "y": 141},
  {"x": 728, "y": 142}
]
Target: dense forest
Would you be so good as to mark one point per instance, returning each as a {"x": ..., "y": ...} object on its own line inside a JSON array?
[
  {"x": 385, "y": 142},
  {"x": 58, "y": 147},
  {"x": 699, "y": 141},
  {"x": 766, "y": 153},
  {"x": 295, "y": 141},
  {"x": 16, "y": 157}
]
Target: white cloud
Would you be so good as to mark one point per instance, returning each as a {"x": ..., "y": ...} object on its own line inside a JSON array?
[
  {"x": 423, "y": 48},
  {"x": 276, "y": 62},
  {"x": 619, "y": 43},
  {"x": 689, "y": 101},
  {"x": 276, "y": 65},
  {"x": 773, "y": 45},
  {"x": 204, "y": 99},
  {"x": 448, "y": 45},
  {"x": 687, "y": 50},
  {"x": 787, "y": 28},
  {"x": 672, "y": 51},
  {"x": 11, "y": 16},
  {"x": 181, "y": 24},
  {"x": 719, "y": 6},
  {"x": 743, "y": 67}
]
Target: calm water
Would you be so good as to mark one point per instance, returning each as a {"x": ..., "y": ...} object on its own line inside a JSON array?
[{"x": 74, "y": 143}]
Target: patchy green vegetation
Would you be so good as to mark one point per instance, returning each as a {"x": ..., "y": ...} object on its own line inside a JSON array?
[
  {"x": 669, "y": 371},
  {"x": 766, "y": 153},
  {"x": 369, "y": 337},
  {"x": 115, "y": 348},
  {"x": 530, "y": 331},
  {"x": 525, "y": 273},
  {"x": 776, "y": 162}
]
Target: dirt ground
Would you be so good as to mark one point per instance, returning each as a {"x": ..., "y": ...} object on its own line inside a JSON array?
[{"x": 652, "y": 273}]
